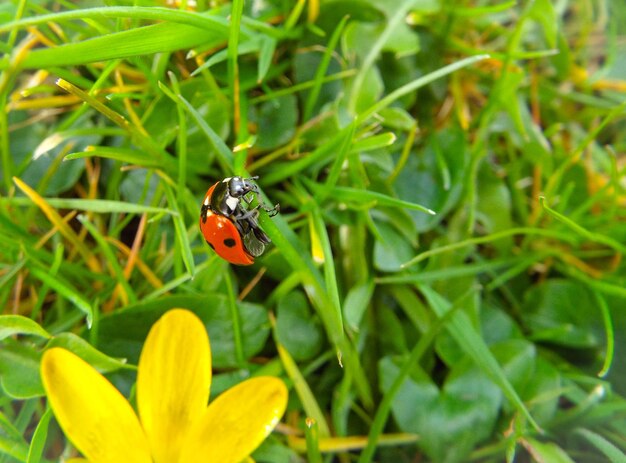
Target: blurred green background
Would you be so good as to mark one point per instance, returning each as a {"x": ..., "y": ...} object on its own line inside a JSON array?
[{"x": 446, "y": 279}]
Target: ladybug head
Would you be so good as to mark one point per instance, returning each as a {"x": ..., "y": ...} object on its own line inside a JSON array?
[{"x": 238, "y": 186}]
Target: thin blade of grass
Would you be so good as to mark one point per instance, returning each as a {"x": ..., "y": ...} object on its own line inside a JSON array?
[
  {"x": 40, "y": 436},
  {"x": 318, "y": 80},
  {"x": 137, "y": 136},
  {"x": 487, "y": 238},
  {"x": 156, "y": 38},
  {"x": 417, "y": 83},
  {"x": 224, "y": 154},
  {"x": 612, "y": 452},
  {"x": 181, "y": 231},
  {"x": 154, "y": 13},
  {"x": 595, "y": 237},
  {"x": 65, "y": 290},
  {"x": 391, "y": 24},
  {"x": 610, "y": 334},
  {"x": 358, "y": 196},
  {"x": 101, "y": 206},
  {"x": 309, "y": 403},
  {"x": 128, "y": 295},
  {"x": 117, "y": 154}
]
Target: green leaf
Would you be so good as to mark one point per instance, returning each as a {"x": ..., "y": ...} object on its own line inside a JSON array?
[
  {"x": 466, "y": 407},
  {"x": 392, "y": 251},
  {"x": 87, "y": 352},
  {"x": 277, "y": 121},
  {"x": 464, "y": 333},
  {"x": 122, "y": 333},
  {"x": 563, "y": 312},
  {"x": 19, "y": 371},
  {"x": 16, "y": 324},
  {"x": 296, "y": 329},
  {"x": 355, "y": 304}
]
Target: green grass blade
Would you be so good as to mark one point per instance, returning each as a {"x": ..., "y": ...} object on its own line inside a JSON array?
[
  {"x": 110, "y": 257},
  {"x": 358, "y": 196},
  {"x": 40, "y": 436},
  {"x": 417, "y": 83},
  {"x": 157, "y": 38},
  {"x": 309, "y": 402},
  {"x": 66, "y": 290},
  {"x": 486, "y": 239},
  {"x": 101, "y": 206},
  {"x": 596, "y": 237},
  {"x": 611, "y": 451},
  {"x": 322, "y": 153},
  {"x": 154, "y": 13},
  {"x": 391, "y": 24},
  {"x": 117, "y": 154},
  {"x": 182, "y": 237},
  {"x": 318, "y": 80},
  {"x": 224, "y": 154}
]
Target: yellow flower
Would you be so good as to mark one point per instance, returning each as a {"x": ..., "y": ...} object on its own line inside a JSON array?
[{"x": 173, "y": 424}]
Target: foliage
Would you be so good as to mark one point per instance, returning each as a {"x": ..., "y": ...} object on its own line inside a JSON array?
[{"x": 446, "y": 273}]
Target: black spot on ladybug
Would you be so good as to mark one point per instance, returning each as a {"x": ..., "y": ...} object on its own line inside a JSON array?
[
  {"x": 229, "y": 242},
  {"x": 212, "y": 247}
]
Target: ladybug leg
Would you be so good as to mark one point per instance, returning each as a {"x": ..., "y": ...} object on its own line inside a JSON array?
[
  {"x": 271, "y": 211},
  {"x": 250, "y": 224}
]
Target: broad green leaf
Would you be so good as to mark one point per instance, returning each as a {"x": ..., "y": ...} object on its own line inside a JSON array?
[
  {"x": 121, "y": 334},
  {"x": 19, "y": 371},
  {"x": 355, "y": 304},
  {"x": 296, "y": 329},
  {"x": 563, "y": 312},
  {"x": 87, "y": 352},
  {"x": 466, "y": 407},
  {"x": 392, "y": 251},
  {"x": 468, "y": 338},
  {"x": 277, "y": 121}
]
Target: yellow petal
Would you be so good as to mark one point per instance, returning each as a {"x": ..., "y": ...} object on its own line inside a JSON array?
[
  {"x": 173, "y": 381},
  {"x": 93, "y": 414},
  {"x": 237, "y": 422}
]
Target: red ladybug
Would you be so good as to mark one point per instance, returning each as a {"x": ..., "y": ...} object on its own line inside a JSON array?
[{"x": 229, "y": 226}]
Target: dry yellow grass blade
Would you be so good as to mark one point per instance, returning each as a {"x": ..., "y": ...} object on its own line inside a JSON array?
[{"x": 56, "y": 219}]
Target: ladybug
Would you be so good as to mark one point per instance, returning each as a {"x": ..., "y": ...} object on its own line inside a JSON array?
[{"x": 229, "y": 223}]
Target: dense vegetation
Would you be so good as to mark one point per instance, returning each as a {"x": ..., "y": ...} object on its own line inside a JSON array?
[{"x": 446, "y": 280}]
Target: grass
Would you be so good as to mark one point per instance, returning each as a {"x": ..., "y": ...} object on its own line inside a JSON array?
[{"x": 446, "y": 277}]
